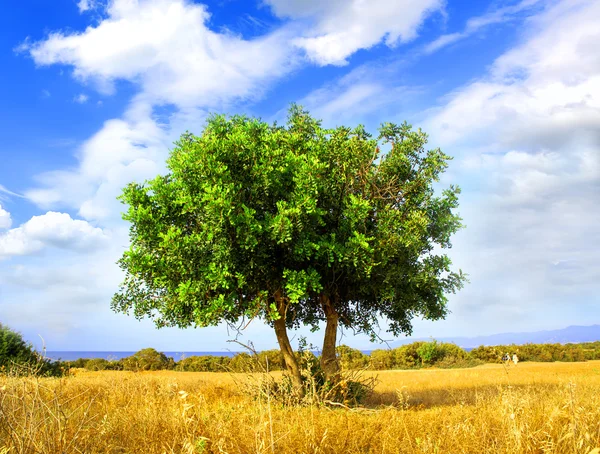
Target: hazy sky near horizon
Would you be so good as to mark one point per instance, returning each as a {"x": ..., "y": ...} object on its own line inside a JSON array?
[{"x": 94, "y": 92}]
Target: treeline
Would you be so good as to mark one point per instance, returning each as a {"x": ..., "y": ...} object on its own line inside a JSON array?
[
  {"x": 410, "y": 356},
  {"x": 19, "y": 358},
  {"x": 540, "y": 352}
]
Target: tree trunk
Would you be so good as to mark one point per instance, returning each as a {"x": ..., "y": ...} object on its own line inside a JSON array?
[
  {"x": 329, "y": 360},
  {"x": 285, "y": 346}
]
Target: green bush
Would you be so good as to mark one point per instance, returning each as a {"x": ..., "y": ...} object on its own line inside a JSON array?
[
  {"x": 271, "y": 360},
  {"x": 407, "y": 356},
  {"x": 351, "y": 358},
  {"x": 203, "y": 364},
  {"x": 96, "y": 364},
  {"x": 382, "y": 359},
  {"x": 13, "y": 349},
  {"x": 19, "y": 357},
  {"x": 147, "y": 359}
]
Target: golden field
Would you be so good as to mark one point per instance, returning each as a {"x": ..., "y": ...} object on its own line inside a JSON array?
[{"x": 530, "y": 408}]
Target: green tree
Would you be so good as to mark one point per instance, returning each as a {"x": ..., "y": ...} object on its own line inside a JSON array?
[{"x": 293, "y": 224}]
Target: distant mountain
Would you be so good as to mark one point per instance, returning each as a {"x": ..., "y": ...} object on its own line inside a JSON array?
[{"x": 571, "y": 334}]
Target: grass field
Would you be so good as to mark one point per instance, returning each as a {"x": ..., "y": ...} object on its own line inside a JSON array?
[{"x": 532, "y": 408}]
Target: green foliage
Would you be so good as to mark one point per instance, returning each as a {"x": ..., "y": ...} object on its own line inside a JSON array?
[
  {"x": 13, "y": 349},
  {"x": 429, "y": 352},
  {"x": 248, "y": 210},
  {"x": 540, "y": 352},
  {"x": 382, "y": 360},
  {"x": 18, "y": 357},
  {"x": 95, "y": 364},
  {"x": 271, "y": 360},
  {"x": 203, "y": 364},
  {"x": 147, "y": 359},
  {"x": 420, "y": 354},
  {"x": 409, "y": 356},
  {"x": 351, "y": 358}
]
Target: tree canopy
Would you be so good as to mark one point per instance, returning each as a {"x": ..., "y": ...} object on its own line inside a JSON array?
[{"x": 294, "y": 224}]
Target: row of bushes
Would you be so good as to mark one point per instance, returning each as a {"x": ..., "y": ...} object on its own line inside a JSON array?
[
  {"x": 445, "y": 355},
  {"x": 16, "y": 356},
  {"x": 410, "y": 356},
  {"x": 150, "y": 359},
  {"x": 540, "y": 352}
]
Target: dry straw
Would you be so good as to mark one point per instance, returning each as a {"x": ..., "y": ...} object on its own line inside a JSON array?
[{"x": 535, "y": 408}]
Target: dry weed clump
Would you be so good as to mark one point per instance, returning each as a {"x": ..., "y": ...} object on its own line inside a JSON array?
[{"x": 532, "y": 408}]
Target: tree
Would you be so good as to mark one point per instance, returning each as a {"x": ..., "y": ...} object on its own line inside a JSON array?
[{"x": 293, "y": 224}]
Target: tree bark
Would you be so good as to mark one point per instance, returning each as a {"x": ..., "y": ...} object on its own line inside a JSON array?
[
  {"x": 285, "y": 346},
  {"x": 329, "y": 360}
]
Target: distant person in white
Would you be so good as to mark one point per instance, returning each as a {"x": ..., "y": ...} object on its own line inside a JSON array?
[{"x": 515, "y": 358}]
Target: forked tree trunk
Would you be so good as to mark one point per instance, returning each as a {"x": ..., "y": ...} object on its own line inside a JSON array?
[
  {"x": 291, "y": 363},
  {"x": 329, "y": 360}
]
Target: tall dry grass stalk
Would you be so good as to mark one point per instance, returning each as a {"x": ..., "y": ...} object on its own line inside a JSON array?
[{"x": 532, "y": 408}]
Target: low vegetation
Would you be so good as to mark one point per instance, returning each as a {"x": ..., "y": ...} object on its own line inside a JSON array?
[
  {"x": 532, "y": 407},
  {"x": 17, "y": 357},
  {"x": 416, "y": 355}
]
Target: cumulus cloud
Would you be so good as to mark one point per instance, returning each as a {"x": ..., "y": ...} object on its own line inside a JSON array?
[
  {"x": 5, "y": 219},
  {"x": 130, "y": 149},
  {"x": 52, "y": 229},
  {"x": 342, "y": 27},
  {"x": 528, "y": 145},
  {"x": 167, "y": 47}
]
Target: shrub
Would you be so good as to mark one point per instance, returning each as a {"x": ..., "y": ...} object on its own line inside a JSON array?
[
  {"x": 271, "y": 360},
  {"x": 429, "y": 352},
  {"x": 96, "y": 364},
  {"x": 351, "y": 358},
  {"x": 13, "y": 349},
  {"x": 19, "y": 357},
  {"x": 203, "y": 364},
  {"x": 148, "y": 359},
  {"x": 382, "y": 359},
  {"x": 242, "y": 362},
  {"x": 407, "y": 356}
]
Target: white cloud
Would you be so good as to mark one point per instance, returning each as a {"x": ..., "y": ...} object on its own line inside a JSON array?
[
  {"x": 86, "y": 5},
  {"x": 529, "y": 149},
  {"x": 475, "y": 24},
  {"x": 81, "y": 98},
  {"x": 341, "y": 27},
  {"x": 369, "y": 94},
  {"x": 130, "y": 149},
  {"x": 51, "y": 230},
  {"x": 5, "y": 220},
  {"x": 167, "y": 47},
  {"x": 4, "y": 190},
  {"x": 552, "y": 81}
]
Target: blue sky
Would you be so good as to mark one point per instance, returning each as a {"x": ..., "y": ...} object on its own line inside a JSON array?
[{"x": 94, "y": 92}]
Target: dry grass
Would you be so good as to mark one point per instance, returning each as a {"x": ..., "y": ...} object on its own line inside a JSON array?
[{"x": 533, "y": 408}]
